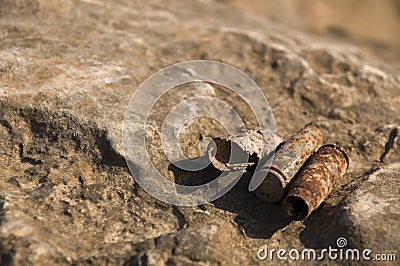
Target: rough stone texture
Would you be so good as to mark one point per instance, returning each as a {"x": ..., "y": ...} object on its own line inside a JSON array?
[
  {"x": 371, "y": 25},
  {"x": 67, "y": 72}
]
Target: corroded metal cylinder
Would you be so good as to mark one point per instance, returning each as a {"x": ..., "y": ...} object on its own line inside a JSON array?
[
  {"x": 316, "y": 180},
  {"x": 254, "y": 144},
  {"x": 287, "y": 161}
]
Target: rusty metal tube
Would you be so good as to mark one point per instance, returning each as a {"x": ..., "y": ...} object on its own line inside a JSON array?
[
  {"x": 288, "y": 159},
  {"x": 254, "y": 143},
  {"x": 315, "y": 181}
]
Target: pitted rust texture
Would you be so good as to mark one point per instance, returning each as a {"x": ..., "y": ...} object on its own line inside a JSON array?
[
  {"x": 287, "y": 161},
  {"x": 316, "y": 180},
  {"x": 254, "y": 143},
  {"x": 295, "y": 151}
]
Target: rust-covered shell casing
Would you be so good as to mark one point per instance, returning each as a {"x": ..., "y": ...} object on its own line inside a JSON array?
[
  {"x": 254, "y": 144},
  {"x": 288, "y": 159},
  {"x": 315, "y": 181}
]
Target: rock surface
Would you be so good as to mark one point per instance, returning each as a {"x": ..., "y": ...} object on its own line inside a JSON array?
[
  {"x": 371, "y": 25},
  {"x": 67, "y": 72}
]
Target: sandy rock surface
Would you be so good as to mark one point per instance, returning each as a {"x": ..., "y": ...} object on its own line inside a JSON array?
[{"x": 67, "y": 72}]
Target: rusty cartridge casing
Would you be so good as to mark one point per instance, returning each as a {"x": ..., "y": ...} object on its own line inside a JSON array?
[
  {"x": 316, "y": 180},
  {"x": 288, "y": 159},
  {"x": 254, "y": 144}
]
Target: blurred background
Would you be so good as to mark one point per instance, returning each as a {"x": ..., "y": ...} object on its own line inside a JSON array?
[{"x": 372, "y": 25}]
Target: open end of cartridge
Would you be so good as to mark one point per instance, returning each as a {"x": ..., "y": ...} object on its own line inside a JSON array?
[
  {"x": 272, "y": 188},
  {"x": 224, "y": 153},
  {"x": 296, "y": 208},
  {"x": 219, "y": 153}
]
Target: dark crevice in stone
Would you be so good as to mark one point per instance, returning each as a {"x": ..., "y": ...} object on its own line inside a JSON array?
[
  {"x": 180, "y": 216},
  {"x": 393, "y": 135},
  {"x": 59, "y": 128}
]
